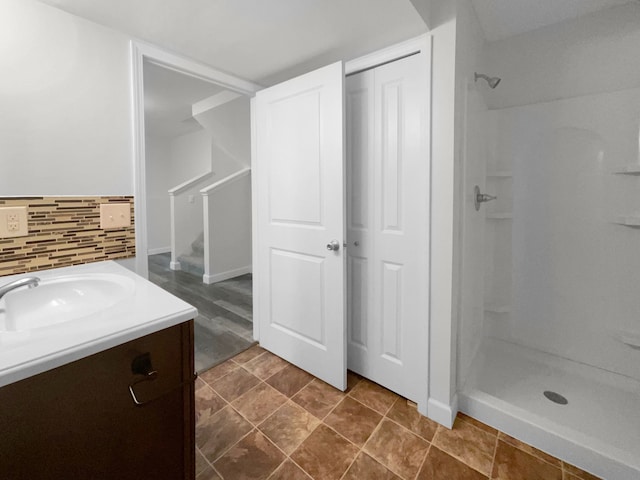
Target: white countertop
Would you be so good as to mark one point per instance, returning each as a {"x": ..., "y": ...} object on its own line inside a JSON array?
[{"x": 148, "y": 310}]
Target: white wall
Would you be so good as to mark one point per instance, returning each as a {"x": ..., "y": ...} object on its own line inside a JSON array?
[
  {"x": 229, "y": 232},
  {"x": 190, "y": 156},
  {"x": 159, "y": 181},
  {"x": 229, "y": 128},
  {"x": 575, "y": 270},
  {"x": 471, "y": 160},
  {"x": 569, "y": 105},
  {"x": 65, "y": 127},
  {"x": 442, "y": 333},
  {"x": 591, "y": 54}
]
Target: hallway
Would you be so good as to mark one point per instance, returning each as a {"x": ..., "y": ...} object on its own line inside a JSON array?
[{"x": 223, "y": 327}]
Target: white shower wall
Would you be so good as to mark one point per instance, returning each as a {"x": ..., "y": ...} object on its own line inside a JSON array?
[{"x": 575, "y": 268}]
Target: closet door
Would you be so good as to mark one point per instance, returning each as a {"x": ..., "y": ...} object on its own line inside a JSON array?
[
  {"x": 298, "y": 192},
  {"x": 388, "y": 218}
]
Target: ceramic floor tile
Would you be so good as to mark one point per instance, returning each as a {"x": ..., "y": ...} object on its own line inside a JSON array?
[
  {"x": 265, "y": 365},
  {"x": 201, "y": 462},
  {"x": 576, "y": 472},
  {"x": 409, "y": 417},
  {"x": 513, "y": 464},
  {"x": 353, "y": 420},
  {"x": 397, "y": 448},
  {"x": 374, "y": 396},
  {"x": 289, "y": 426},
  {"x": 234, "y": 384},
  {"x": 529, "y": 449},
  {"x": 219, "y": 432},
  {"x": 352, "y": 380},
  {"x": 207, "y": 402},
  {"x": 259, "y": 402},
  {"x": 249, "y": 354},
  {"x": 318, "y": 398},
  {"x": 365, "y": 467},
  {"x": 440, "y": 466},
  {"x": 253, "y": 458},
  {"x": 208, "y": 474},
  {"x": 289, "y": 471},
  {"x": 325, "y": 455},
  {"x": 477, "y": 423},
  {"x": 469, "y": 444},
  {"x": 290, "y": 380},
  {"x": 219, "y": 371}
]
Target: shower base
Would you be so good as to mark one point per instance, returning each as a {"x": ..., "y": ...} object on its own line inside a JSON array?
[{"x": 597, "y": 429}]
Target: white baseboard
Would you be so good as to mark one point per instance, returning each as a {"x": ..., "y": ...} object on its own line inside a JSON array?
[
  {"x": 442, "y": 413},
  {"x": 219, "y": 277},
  {"x": 156, "y": 251},
  {"x": 174, "y": 266}
]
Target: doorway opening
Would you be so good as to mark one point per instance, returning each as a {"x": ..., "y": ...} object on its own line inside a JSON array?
[{"x": 193, "y": 201}]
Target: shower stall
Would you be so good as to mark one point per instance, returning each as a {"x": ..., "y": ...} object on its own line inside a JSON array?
[{"x": 549, "y": 276}]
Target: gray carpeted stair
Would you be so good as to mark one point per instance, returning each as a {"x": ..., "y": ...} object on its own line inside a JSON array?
[{"x": 194, "y": 261}]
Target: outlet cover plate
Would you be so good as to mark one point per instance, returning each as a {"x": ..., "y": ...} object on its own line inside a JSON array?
[
  {"x": 13, "y": 222},
  {"x": 115, "y": 215}
]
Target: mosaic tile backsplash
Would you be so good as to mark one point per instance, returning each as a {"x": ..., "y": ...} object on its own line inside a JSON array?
[{"x": 64, "y": 231}]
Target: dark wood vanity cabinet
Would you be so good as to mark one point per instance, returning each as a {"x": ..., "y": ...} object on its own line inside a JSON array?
[{"x": 80, "y": 421}]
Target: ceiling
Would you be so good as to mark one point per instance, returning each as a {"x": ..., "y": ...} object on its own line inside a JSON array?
[
  {"x": 500, "y": 19},
  {"x": 168, "y": 97},
  {"x": 264, "y": 41}
]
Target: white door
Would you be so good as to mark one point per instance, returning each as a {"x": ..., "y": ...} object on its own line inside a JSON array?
[
  {"x": 387, "y": 224},
  {"x": 299, "y": 194}
]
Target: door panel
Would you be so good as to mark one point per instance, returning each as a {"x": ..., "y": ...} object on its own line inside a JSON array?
[
  {"x": 391, "y": 146},
  {"x": 359, "y": 104},
  {"x": 299, "y": 186}
]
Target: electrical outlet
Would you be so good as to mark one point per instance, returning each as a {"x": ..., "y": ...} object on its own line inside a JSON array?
[
  {"x": 115, "y": 215},
  {"x": 13, "y": 222}
]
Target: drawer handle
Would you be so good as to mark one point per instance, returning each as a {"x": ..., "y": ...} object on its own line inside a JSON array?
[
  {"x": 152, "y": 376},
  {"x": 147, "y": 378}
]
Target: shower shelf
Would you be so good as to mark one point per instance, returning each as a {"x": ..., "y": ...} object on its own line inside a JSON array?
[
  {"x": 628, "y": 220},
  {"x": 499, "y": 216},
  {"x": 629, "y": 169},
  {"x": 499, "y": 173},
  {"x": 497, "y": 308}
]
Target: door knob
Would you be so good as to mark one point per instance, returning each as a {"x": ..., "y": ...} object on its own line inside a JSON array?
[{"x": 334, "y": 246}]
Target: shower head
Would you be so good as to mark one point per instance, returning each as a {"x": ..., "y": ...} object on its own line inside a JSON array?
[{"x": 492, "y": 81}]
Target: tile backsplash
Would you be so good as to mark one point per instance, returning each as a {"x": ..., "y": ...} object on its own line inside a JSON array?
[{"x": 64, "y": 231}]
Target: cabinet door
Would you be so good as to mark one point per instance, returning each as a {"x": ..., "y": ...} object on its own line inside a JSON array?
[
  {"x": 299, "y": 197},
  {"x": 79, "y": 421}
]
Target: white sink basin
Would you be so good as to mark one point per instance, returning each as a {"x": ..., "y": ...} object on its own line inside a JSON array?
[{"x": 63, "y": 299}]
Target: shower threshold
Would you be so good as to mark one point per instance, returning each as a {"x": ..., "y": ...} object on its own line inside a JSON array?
[{"x": 593, "y": 422}]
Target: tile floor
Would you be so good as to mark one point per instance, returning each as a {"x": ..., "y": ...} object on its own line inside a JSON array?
[
  {"x": 258, "y": 417},
  {"x": 224, "y": 325}
]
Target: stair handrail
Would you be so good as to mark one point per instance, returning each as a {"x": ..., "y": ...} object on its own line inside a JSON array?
[
  {"x": 184, "y": 186},
  {"x": 226, "y": 181}
]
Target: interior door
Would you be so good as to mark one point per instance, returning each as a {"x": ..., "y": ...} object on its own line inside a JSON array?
[
  {"x": 299, "y": 226},
  {"x": 387, "y": 224}
]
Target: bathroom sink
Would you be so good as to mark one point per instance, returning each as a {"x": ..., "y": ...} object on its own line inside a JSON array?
[{"x": 62, "y": 299}]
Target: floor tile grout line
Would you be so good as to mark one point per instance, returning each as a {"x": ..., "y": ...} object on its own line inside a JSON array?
[
  {"x": 424, "y": 460},
  {"x": 493, "y": 458},
  {"x": 322, "y": 420},
  {"x": 538, "y": 457}
]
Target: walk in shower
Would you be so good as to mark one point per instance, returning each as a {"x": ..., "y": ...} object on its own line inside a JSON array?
[{"x": 549, "y": 316}]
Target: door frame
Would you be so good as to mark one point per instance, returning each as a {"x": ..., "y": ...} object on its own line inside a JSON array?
[{"x": 141, "y": 52}]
